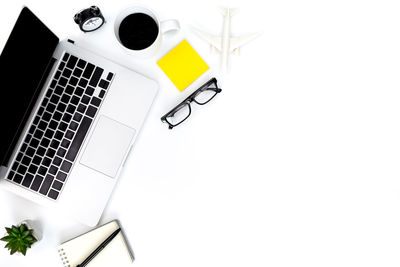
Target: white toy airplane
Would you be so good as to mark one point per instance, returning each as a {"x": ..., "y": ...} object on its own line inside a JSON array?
[{"x": 226, "y": 44}]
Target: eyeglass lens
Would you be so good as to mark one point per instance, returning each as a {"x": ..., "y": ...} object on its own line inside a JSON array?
[{"x": 181, "y": 113}]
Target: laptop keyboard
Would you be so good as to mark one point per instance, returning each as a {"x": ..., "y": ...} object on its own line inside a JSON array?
[{"x": 60, "y": 126}]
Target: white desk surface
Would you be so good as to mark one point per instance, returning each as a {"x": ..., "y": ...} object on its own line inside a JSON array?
[{"x": 295, "y": 163}]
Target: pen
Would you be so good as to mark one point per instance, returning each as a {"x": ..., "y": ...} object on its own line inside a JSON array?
[{"x": 99, "y": 248}]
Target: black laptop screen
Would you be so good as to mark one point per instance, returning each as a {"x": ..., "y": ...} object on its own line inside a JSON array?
[{"x": 24, "y": 62}]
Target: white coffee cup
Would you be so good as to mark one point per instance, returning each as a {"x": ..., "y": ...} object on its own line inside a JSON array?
[{"x": 163, "y": 27}]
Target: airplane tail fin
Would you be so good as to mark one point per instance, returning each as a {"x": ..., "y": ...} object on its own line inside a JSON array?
[{"x": 230, "y": 11}]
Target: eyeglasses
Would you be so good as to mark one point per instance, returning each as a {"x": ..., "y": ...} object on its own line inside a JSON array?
[{"x": 201, "y": 96}]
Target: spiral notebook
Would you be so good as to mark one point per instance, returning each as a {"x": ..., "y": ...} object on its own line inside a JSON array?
[{"x": 116, "y": 253}]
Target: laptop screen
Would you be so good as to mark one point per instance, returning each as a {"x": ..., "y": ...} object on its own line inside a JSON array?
[{"x": 24, "y": 62}]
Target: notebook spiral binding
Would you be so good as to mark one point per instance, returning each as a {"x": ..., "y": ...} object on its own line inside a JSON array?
[{"x": 64, "y": 258}]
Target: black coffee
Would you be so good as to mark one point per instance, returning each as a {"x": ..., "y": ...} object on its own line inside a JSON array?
[{"x": 138, "y": 31}]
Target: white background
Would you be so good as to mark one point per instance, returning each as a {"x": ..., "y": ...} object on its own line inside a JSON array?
[{"x": 295, "y": 163}]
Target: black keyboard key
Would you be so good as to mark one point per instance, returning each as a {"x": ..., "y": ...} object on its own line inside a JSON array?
[
  {"x": 61, "y": 107},
  {"x": 53, "y": 170},
  {"x": 95, "y": 101},
  {"x": 62, "y": 126},
  {"x": 10, "y": 175},
  {"x": 40, "y": 111},
  {"x": 73, "y": 125},
  {"x": 71, "y": 109},
  {"x": 18, "y": 178},
  {"x": 46, "y": 184},
  {"x": 52, "y": 126},
  {"x": 36, "y": 183},
  {"x": 15, "y": 166},
  {"x": 91, "y": 111},
  {"x": 42, "y": 126},
  {"x": 53, "y": 84},
  {"x": 44, "y": 102},
  {"x": 59, "y": 90},
  {"x": 49, "y": 132},
  {"x": 96, "y": 77},
  {"x": 61, "y": 152},
  {"x": 46, "y": 116},
  {"x": 109, "y": 76},
  {"x": 51, "y": 107},
  {"x": 27, "y": 180},
  {"x": 88, "y": 71},
  {"x": 41, "y": 151},
  {"x": 49, "y": 93},
  {"x": 42, "y": 170},
  {"x": 45, "y": 142},
  {"x": 65, "y": 98},
  {"x": 61, "y": 66},
  {"x": 22, "y": 169},
  {"x": 38, "y": 134},
  {"x": 36, "y": 160},
  {"x": 81, "y": 63},
  {"x": 57, "y": 75},
  {"x": 89, "y": 90},
  {"x": 78, "y": 140},
  {"x": 55, "y": 99},
  {"x": 79, "y": 91},
  {"x": 77, "y": 117},
  {"x": 57, "y": 161},
  {"x": 102, "y": 93},
  {"x": 83, "y": 82},
  {"x": 57, "y": 116},
  {"x": 81, "y": 108},
  {"x": 67, "y": 73},
  {"x": 63, "y": 81},
  {"x": 36, "y": 120},
  {"x": 65, "y": 57},
  {"x": 33, "y": 169},
  {"x": 73, "y": 81},
  {"x": 104, "y": 84},
  {"x": 61, "y": 176},
  {"x": 28, "y": 138},
  {"x": 57, "y": 185},
  {"x": 24, "y": 147},
  {"x": 46, "y": 162},
  {"x": 66, "y": 166},
  {"x": 72, "y": 62},
  {"x": 69, "y": 89},
  {"x": 50, "y": 153},
  {"x": 67, "y": 117},
  {"x": 19, "y": 156},
  {"x": 53, "y": 194},
  {"x": 59, "y": 135},
  {"x": 77, "y": 72},
  {"x": 85, "y": 99},
  {"x": 34, "y": 143},
  {"x": 69, "y": 134},
  {"x": 26, "y": 160},
  {"x": 55, "y": 144},
  {"x": 65, "y": 143},
  {"x": 75, "y": 100},
  {"x": 30, "y": 152}
]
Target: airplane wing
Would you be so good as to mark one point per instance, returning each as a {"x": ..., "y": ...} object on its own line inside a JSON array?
[
  {"x": 237, "y": 42},
  {"x": 211, "y": 39}
]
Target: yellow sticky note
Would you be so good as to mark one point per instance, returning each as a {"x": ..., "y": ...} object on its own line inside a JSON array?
[{"x": 182, "y": 65}]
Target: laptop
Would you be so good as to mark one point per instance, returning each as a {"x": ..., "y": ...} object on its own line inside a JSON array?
[{"x": 69, "y": 120}]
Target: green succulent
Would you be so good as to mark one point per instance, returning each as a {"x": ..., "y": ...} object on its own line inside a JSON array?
[{"x": 19, "y": 239}]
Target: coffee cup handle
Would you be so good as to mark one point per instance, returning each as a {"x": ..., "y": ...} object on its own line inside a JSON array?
[{"x": 170, "y": 26}]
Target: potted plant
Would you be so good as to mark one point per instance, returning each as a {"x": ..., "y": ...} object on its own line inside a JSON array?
[{"x": 19, "y": 238}]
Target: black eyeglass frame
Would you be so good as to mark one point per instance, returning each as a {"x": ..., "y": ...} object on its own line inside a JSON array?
[{"x": 192, "y": 98}]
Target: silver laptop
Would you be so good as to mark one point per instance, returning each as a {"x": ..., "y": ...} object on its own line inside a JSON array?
[{"x": 69, "y": 120}]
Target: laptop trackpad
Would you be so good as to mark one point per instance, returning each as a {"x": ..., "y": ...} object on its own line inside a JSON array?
[{"x": 107, "y": 146}]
